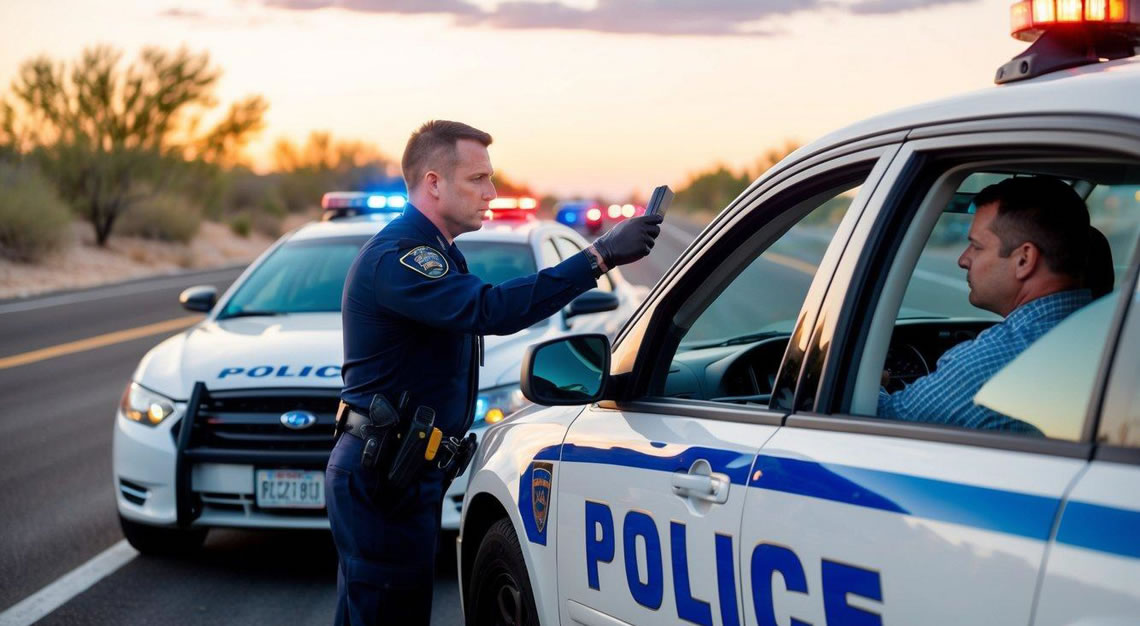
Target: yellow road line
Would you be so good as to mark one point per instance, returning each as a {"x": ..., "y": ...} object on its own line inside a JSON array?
[
  {"x": 98, "y": 341},
  {"x": 787, "y": 261}
]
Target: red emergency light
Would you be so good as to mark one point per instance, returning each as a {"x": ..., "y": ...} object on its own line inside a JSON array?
[
  {"x": 1030, "y": 18},
  {"x": 511, "y": 208},
  {"x": 1070, "y": 33}
]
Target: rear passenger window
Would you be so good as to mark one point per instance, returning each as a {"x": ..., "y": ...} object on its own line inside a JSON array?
[{"x": 1006, "y": 315}]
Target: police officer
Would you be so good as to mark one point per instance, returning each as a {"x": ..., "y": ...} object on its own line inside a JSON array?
[{"x": 413, "y": 325}]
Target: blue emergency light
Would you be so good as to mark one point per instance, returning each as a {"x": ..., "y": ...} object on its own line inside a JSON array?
[{"x": 338, "y": 204}]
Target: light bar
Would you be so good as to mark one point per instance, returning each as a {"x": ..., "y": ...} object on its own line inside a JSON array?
[
  {"x": 511, "y": 208},
  {"x": 1029, "y": 18},
  {"x": 1069, "y": 33},
  {"x": 349, "y": 203}
]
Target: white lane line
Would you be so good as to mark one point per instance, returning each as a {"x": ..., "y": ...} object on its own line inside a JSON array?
[
  {"x": 942, "y": 279},
  {"x": 75, "y": 582},
  {"x": 110, "y": 292}
]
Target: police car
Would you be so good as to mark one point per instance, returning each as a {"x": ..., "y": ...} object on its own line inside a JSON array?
[
  {"x": 230, "y": 422},
  {"x": 723, "y": 462}
]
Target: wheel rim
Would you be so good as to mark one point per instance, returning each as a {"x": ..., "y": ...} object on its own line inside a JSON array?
[{"x": 506, "y": 602}]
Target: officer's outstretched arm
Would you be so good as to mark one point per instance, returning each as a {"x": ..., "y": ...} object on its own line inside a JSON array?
[{"x": 430, "y": 290}]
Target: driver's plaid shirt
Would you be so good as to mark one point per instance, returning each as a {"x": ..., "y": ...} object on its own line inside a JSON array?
[{"x": 946, "y": 395}]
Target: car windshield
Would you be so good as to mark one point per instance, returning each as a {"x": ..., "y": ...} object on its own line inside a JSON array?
[
  {"x": 496, "y": 262},
  {"x": 308, "y": 276},
  {"x": 298, "y": 277}
]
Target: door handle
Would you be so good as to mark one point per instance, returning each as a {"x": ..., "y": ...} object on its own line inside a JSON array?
[{"x": 710, "y": 487}]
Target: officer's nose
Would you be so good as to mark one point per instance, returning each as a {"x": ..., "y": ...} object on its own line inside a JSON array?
[{"x": 490, "y": 194}]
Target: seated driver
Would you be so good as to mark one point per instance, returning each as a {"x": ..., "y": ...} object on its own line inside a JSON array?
[{"x": 1025, "y": 261}]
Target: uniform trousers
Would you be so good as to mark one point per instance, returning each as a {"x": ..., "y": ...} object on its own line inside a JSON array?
[{"x": 385, "y": 540}]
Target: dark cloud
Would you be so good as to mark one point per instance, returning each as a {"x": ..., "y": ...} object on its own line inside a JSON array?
[
  {"x": 653, "y": 17},
  {"x": 453, "y": 7},
  {"x": 881, "y": 7}
]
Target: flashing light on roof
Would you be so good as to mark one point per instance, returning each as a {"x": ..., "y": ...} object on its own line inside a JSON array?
[
  {"x": 511, "y": 208},
  {"x": 594, "y": 214},
  {"x": 350, "y": 203},
  {"x": 627, "y": 210},
  {"x": 614, "y": 211},
  {"x": 1069, "y": 33}
]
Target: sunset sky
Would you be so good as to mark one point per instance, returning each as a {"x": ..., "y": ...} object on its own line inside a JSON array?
[{"x": 582, "y": 96}]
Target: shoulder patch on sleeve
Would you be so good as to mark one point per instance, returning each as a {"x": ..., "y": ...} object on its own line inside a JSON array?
[{"x": 425, "y": 260}]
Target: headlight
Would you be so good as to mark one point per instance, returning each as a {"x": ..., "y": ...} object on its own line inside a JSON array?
[
  {"x": 144, "y": 406},
  {"x": 495, "y": 404}
]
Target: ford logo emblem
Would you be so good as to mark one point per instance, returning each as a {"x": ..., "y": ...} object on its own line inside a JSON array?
[{"x": 298, "y": 420}]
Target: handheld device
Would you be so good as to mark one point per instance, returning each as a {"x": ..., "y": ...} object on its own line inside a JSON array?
[{"x": 660, "y": 200}]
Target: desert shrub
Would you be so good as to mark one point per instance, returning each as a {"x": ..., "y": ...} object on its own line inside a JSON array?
[
  {"x": 241, "y": 224},
  {"x": 33, "y": 219},
  {"x": 165, "y": 217}
]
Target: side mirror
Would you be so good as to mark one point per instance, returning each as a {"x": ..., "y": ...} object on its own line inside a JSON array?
[
  {"x": 593, "y": 301},
  {"x": 201, "y": 298},
  {"x": 567, "y": 371}
]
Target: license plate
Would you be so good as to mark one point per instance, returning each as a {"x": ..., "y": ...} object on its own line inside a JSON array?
[{"x": 290, "y": 489}]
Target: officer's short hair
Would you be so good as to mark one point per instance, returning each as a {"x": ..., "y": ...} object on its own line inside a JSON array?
[
  {"x": 433, "y": 147},
  {"x": 1046, "y": 212}
]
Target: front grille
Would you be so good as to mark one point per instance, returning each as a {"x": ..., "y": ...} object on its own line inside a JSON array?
[{"x": 251, "y": 420}]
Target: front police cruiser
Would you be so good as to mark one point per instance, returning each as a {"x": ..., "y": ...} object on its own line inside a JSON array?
[
  {"x": 727, "y": 463},
  {"x": 413, "y": 320}
]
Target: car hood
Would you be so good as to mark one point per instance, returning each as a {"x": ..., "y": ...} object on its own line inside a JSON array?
[{"x": 300, "y": 350}]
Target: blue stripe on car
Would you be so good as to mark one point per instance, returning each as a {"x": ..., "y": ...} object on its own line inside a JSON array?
[{"x": 1084, "y": 525}]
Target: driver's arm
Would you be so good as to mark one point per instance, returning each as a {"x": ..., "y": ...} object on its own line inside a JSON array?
[{"x": 943, "y": 396}]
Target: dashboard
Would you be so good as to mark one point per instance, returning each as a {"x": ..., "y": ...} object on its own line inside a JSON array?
[{"x": 746, "y": 373}]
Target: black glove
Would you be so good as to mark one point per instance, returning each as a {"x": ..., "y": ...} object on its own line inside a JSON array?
[{"x": 628, "y": 241}]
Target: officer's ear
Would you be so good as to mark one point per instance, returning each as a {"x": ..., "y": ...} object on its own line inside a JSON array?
[{"x": 431, "y": 183}]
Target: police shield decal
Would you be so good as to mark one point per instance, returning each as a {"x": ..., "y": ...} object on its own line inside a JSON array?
[
  {"x": 426, "y": 260},
  {"x": 540, "y": 481}
]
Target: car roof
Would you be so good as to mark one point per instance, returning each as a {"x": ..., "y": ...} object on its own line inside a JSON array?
[
  {"x": 520, "y": 231},
  {"x": 1109, "y": 88}
]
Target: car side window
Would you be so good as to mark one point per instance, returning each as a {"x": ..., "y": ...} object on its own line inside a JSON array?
[
  {"x": 1120, "y": 414},
  {"x": 961, "y": 353},
  {"x": 569, "y": 248},
  {"x": 733, "y": 349},
  {"x": 550, "y": 256}
]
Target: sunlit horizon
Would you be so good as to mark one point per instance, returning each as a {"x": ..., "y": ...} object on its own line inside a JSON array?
[{"x": 573, "y": 110}]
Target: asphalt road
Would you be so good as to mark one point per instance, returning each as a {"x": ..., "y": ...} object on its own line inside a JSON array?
[
  {"x": 57, "y": 507},
  {"x": 57, "y": 504}
]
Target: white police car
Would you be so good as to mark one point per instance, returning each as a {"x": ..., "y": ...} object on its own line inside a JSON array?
[
  {"x": 729, "y": 468},
  {"x": 230, "y": 422}
]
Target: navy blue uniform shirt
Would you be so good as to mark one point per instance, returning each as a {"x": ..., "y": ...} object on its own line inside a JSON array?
[{"x": 413, "y": 315}]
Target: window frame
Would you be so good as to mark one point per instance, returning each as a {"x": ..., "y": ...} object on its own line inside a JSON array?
[
  {"x": 844, "y": 324},
  {"x": 759, "y": 208},
  {"x": 1125, "y": 319}
]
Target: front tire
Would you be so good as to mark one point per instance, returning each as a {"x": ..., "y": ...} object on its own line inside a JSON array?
[
  {"x": 499, "y": 593},
  {"x": 159, "y": 541}
]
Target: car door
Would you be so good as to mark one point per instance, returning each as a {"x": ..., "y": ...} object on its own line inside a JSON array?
[
  {"x": 869, "y": 520},
  {"x": 651, "y": 489},
  {"x": 1094, "y": 560}
]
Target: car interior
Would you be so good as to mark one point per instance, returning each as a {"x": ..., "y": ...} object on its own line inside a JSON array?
[{"x": 926, "y": 311}]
